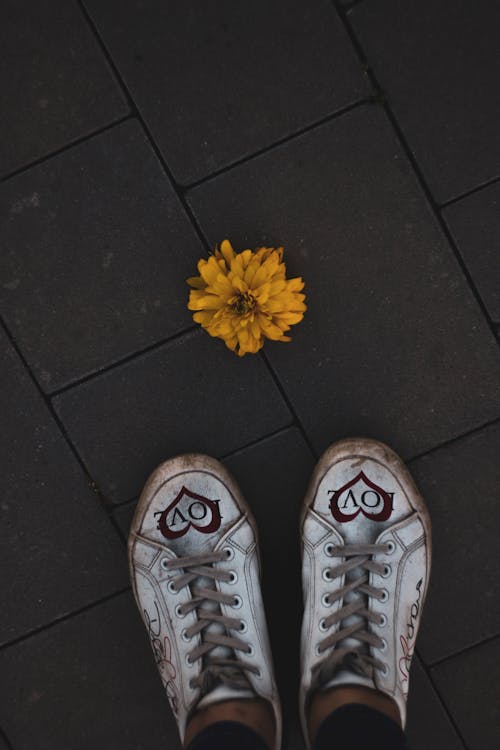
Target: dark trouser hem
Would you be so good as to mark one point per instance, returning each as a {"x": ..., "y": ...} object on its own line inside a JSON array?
[
  {"x": 359, "y": 727},
  {"x": 227, "y": 735}
]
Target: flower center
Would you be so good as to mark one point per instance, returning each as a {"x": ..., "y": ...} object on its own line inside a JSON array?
[{"x": 243, "y": 303}]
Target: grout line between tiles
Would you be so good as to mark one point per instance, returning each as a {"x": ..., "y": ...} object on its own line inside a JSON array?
[
  {"x": 5, "y": 739},
  {"x": 277, "y": 144},
  {"x": 257, "y": 441},
  {"x": 103, "y": 503},
  {"x": 296, "y": 421},
  {"x": 182, "y": 188},
  {"x": 135, "y": 111},
  {"x": 478, "y": 644},
  {"x": 453, "y": 440},
  {"x": 64, "y": 618},
  {"x": 231, "y": 454},
  {"x": 125, "y": 360},
  {"x": 476, "y": 189},
  {"x": 441, "y": 700},
  {"x": 64, "y": 148},
  {"x": 416, "y": 168}
]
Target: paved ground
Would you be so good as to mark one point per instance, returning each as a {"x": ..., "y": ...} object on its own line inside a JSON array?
[{"x": 364, "y": 138}]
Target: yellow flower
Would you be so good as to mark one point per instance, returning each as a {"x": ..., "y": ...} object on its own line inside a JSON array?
[{"x": 244, "y": 298}]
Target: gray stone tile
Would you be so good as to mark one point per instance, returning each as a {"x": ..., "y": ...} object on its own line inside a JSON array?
[
  {"x": 96, "y": 249},
  {"x": 192, "y": 394},
  {"x": 460, "y": 484},
  {"x": 393, "y": 344},
  {"x": 438, "y": 66},
  {"x": 469, "y": 683},
  {"x": 475, "y": 225},
  {"x": 428, "y": 723},
  {"x": 59, "y": 552},
  {"x": 220, "y": 81},
  {"x": 90, "y": 681},
  {"x": 56, "y": 84}
]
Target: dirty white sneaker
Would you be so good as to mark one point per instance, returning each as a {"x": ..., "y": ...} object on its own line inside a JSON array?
[
  {"x": 366, "y": 537},
  {"x": 194, "y": 567}
]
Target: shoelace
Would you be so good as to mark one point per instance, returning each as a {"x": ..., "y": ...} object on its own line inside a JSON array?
[
  {"x": 346, "y": 657},
  {"x": 216, "y": 670}
]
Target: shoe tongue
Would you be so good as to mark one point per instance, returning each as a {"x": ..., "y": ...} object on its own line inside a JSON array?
[{"x": 362, "y": 530}]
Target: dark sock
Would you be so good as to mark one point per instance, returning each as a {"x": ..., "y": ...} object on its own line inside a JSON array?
[
  {"x": 359, "y": 727},
  {"x": 227, "y": 735}
]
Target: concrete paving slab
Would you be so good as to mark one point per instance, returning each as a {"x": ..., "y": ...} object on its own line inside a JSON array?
[
  {"x": 239, "y": 77},
  {"x": 469, "y": 685},
  {"x": 59, "y": 551},
  {"x": 90, "y": 681},
  {"x": 437, "y": 64},
  {"x": 57, "y": 86},
  {"x": 460, "y": 484},
  {"x": 474, "y": 223},
  {"x": 192, "y": 394},
  {"x": 96, "y": 250}
]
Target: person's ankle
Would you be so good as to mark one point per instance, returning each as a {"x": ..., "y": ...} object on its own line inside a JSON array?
[
  {"x": 323, "y": 703},
  {"x": 252, "y": 712}
]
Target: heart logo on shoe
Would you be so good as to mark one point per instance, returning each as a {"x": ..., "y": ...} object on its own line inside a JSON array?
[
  {"x": 361, "y": 495},
  {"x": 189, "y": 511}
]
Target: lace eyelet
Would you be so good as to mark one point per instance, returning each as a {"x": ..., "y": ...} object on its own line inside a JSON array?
[
  {"x": 237, "y": 602},
  {"x": 243, "y": 627},
  {"x": 233, "y": 576},
  {"x": 322, "y": 626},
  {"x": 325, "y": 601},
  {"x": 188, "y": 661},
  {"x": 228, "y": 553},
  {"x": 327, "y": 576},
  {"x": 164, "y": 563},
  {"x": 191, "y": 685},
  {"x": 385, "y": 670},
  {"x": 185, "y": 637},
  {"x": 251, "y": 650},
  {"x": 383, "y": 647},
  {"x": 318, "y": 650},
  {"x": 178, "y": 612},
  {"x": 384, "y": 596},
  {"x": 172, "y": 588},
  {"x": 258, "y": 674},
  {"x": 328, "y": 548},
  {"x": 383, "y": 621},
  {"x": 387, "y": 571},
  {"x": 390, "y": 547}
]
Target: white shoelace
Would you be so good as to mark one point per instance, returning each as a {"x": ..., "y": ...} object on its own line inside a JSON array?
[
  {"x": 348, "y": 657},
  {"x": 216, "y": 670}
]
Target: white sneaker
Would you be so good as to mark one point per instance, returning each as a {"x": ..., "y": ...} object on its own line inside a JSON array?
[
  {"x": 366, "y": 537},
  {"x": 194, "y": 566}
]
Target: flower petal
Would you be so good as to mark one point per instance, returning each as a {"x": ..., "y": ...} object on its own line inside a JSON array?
[{"x": 196, "y": 282}]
